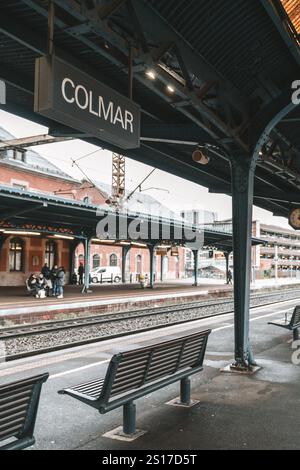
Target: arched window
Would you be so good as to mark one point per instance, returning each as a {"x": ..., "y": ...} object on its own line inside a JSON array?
[
  {"x": 139, "y": 264},
  {"x": 113, "y": 260},
  {"x": 50, "y": 253},
  {"x": 86, "y": 200},
  {"x": 165, "y": 264},
  {"x": 96, "y": 260},
  {"x": 16, "y": 248}
]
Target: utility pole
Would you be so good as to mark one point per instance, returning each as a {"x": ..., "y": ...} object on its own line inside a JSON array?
[{"x": 118, "y": 178}]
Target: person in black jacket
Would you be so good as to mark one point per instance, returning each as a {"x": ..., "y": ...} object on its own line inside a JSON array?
[
  {"x": 47, "y": 275},
  {"x": 229, "y": 277},
  {"x": 53, "y": 277},
  {"x": 81, "y": 273},
  {"x": 46, "y": 271},
  {"x": 37, "y": 284},
  {"x": 32, "y": 284}
]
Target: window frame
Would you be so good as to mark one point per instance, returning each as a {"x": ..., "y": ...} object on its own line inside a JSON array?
[
  {"x": 16, "y": 241},
  {"x": 96, "y": 255},
  {"x": 115, "y": 257},
  {"x": 47, "y": 256}
]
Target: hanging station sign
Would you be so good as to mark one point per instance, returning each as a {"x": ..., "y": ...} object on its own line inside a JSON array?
[
  {"x": 73, "y": 98},
  {"x": 162, "y": 251},
  {"x": 174, "y": 251}
]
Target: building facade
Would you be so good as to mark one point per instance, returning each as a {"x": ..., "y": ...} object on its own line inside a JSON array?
[
  {"x": 211, "y": 261},
  {"x": 22, "y": 253},
  {"x": 280, "y": 256}
]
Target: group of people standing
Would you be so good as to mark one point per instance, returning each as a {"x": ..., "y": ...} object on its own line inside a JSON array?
[{"x": 50, "y": 282}]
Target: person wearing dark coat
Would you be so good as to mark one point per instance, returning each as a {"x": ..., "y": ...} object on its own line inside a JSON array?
[
  {"x": 53, "y": 277},
  {"x": 46, "y": 271},
  {"x": 81, "y": 273},
  {"x": 229, "y": 277},
  {"x": 33, "y": 284},
  {"x": 38, "y": 285}
]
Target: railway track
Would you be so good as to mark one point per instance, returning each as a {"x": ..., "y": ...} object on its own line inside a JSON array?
[{"x": 45, "y": 337}]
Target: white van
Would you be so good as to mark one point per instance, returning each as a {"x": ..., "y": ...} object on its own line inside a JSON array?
[{"x": 106, "y": 274}]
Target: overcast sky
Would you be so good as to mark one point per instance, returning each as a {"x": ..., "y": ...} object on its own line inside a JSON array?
[{"x": 174, "y": 192}]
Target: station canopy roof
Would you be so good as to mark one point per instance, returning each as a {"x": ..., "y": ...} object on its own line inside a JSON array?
[
  {"x": 218, "y": 68},
  {"x": 32, "y": 212}
]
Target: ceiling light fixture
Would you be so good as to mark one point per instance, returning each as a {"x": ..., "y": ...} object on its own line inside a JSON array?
[
  {"x": 170, "y": 89},
  {"x": 19, "y": 232},
  {"x": 64, "y": 237},
  {"x": 98, "y": 240},
  {"x": 151, "y": 74}
]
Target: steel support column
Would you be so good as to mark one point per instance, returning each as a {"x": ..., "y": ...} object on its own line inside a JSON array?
[
  {"x": 2, "y": 241},
  {"x": 242, "y": 182},
  {"x": 125, "y": 251},
  {"x": 72, "y": 247},
  {"x": 87, "y": 255},
  {"x": 195, "y": 255},
  {"x": 161, "y": 268},
  {"x": 242, "y": 172},
  {"x": 276, "y": 262},
  {"x": 152, "y": 265},
  {"x": 226, "y": 254}
]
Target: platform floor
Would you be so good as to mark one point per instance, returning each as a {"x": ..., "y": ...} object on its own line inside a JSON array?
[{"x": 234, "y": 411}]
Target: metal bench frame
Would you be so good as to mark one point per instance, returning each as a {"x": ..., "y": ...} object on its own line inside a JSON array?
[
  {"x": 18, "y": 410},
  {"x": 185, "y": 353},
  {"x": 293, "y": 325}
]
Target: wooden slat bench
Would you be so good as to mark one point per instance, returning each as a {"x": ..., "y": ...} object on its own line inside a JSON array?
[
  {"x": 134, "y": 374},
  {"x": 18, "y": 409},
  {"x": 293, "y": 324}
]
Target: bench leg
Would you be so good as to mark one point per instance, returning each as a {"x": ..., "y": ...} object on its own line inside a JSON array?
[
  {"x": 129, "y": 418},
  {"x": 295, "y": 334},
  {"x": 185, "y": 391}
]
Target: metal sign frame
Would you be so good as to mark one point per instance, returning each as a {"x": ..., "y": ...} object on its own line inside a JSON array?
[{"x": 75, "y": 99}]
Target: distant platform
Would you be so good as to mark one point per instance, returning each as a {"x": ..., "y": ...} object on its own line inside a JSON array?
[{"x": 18, "y": 307}]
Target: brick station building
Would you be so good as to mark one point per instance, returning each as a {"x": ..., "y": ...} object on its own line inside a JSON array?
[{"x": 22, "y": 254}]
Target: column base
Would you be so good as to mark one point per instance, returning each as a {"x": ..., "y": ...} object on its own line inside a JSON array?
[
  {"x": 235, "y": 368},
  {"x": 119, "y": 435},
  {"x": 178, "y": 402}
]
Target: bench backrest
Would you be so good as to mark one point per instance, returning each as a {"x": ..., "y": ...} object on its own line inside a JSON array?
[
  {"x": 133, "y": 369},
  {"x": 295, "y": 320},
  {"x": 18, "y": 409}
]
